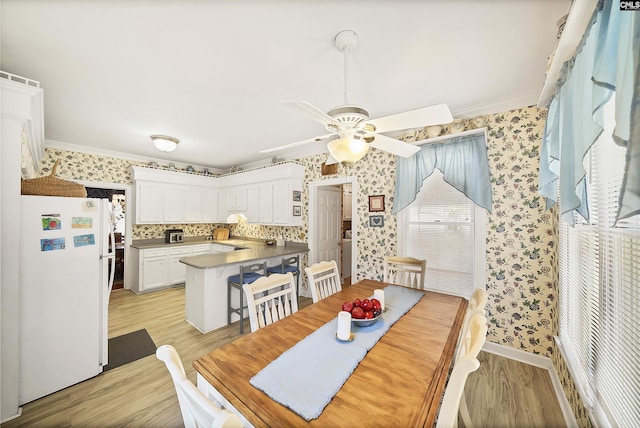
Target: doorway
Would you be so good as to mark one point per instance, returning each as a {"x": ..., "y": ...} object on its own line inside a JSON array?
[
  {"x": 323, "y": 229},
  {"x": 117, "y": 196}
]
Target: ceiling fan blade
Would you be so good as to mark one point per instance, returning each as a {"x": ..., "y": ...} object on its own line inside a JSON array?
[
  {"x": 391, "y": 145},
  {"x": 298, "y": 143},
  {"x": 312, "y": 112},
  {"x": 418, "y": 118}
]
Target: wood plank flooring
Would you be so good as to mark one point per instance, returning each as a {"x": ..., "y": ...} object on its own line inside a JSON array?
[{"x": 141, "y": 394}]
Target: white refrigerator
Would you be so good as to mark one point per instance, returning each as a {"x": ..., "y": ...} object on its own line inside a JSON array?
[{"x": 64, "y": 292}]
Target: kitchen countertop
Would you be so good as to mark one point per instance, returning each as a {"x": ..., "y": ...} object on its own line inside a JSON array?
[
  {"x": 143, "y": 244},
  {"x": 253, "y": 249}
]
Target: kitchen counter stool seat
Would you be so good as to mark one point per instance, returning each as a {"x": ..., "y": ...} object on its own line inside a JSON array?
[
  {"x": 288, "y": 265},
  {"x": 248, "y": 274}
]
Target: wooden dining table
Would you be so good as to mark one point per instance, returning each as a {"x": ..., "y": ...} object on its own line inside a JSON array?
[{"x": 399, "y": 383}]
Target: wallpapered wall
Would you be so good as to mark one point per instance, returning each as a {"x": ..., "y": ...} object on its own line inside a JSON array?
[{"x": 521, "y": 234}]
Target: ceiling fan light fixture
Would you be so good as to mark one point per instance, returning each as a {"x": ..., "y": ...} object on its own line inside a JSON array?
[
  {"x": 165, "y": 143},
  {"x": 348, "y": 150}
]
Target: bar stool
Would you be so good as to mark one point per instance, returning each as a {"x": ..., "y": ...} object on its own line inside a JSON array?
[
  {"x": 288, "y": 264},
  {"x": 248, "y": 274}
]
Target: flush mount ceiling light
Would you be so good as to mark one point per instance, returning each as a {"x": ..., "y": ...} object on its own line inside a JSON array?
[{"x": 164, "y": 143}]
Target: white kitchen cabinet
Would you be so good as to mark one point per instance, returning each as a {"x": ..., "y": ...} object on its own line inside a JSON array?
[
  {"x": 149, "y": 205},
  {"x": 263, "y": 195},
  {"x": 173, "y": 204},
  {"x": 282, "y": 204},
  {"x": 192, "y": 205},
  {"x": 153, "y": 269},
  {"x": 237, "y": 200},
  {"x": 219, "y": 248},
  {"x": 266, "y": 203},
  {"x": 177, "y": 270},
  {"x": 209, "y": 203},
  {"x": 157, "y": 268},
  {"x": 166, "y": 197},
  {"x": 254, "y": 210},
  {"x": 200, "y": 249}
]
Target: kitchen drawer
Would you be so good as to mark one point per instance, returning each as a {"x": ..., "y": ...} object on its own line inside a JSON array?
[
  {"x": 201, "y": 248},
  {"x": 219, "y": 248},
  {"x": 180, "y": 250},
  {"x": 154, "y": 252}
]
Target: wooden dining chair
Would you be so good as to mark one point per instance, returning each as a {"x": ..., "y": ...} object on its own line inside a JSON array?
[
  {"x": 453, "y": 402},
  {"x": 407, "y": 271},
  {"x": 197, "y": 410},
  {"x": 270, "y": 299},
  {"x": 323, "y": 279}
]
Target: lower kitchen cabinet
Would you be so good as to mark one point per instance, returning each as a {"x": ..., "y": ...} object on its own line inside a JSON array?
[
  {"x": 177, "y": 270},
  {"x": 161, "y": 268}
]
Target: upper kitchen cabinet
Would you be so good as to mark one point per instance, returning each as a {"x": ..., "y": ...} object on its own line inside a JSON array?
[
  {"x": 174, "y": 197},
  {"x": 273, "y": 194}
]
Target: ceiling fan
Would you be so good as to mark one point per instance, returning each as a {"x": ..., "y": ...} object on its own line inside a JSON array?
[{"x": 352, "y": 132}]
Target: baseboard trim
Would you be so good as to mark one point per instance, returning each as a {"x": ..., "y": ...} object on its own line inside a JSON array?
[
  {"x": 541, "y": 362},
  {"x": 12, "y": 417}
]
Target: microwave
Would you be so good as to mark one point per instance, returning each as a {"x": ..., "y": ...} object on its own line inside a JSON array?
[{"x": 172, "y": 236}]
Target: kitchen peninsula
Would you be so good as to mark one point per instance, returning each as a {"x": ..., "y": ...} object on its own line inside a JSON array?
[{"x": 206, "y": 278}]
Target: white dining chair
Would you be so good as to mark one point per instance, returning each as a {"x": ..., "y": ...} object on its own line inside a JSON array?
[
  {"x": 453, "y": 402},
  {"x": 323, "y": 279},
  {"x": 407, "y": 271},
  {"x": 197, "y": 410},
  {"x": 270, "y": 299},
  {"x": 478, "y": 299}
]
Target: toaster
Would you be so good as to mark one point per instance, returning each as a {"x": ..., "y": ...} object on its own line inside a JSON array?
[{"x": 172, "y": 236}]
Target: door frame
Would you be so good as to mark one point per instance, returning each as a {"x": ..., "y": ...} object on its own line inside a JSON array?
[
  {"x": 313, "y": 207},
  {"x": 128, "y": 220}
]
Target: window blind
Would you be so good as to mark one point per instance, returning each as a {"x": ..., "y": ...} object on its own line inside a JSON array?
[
  {"x": 439, "y": 227},
  {"x": 600, "y": 293}
]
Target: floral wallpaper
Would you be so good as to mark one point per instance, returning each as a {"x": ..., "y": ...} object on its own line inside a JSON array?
[{"x": 522, "y": 271}]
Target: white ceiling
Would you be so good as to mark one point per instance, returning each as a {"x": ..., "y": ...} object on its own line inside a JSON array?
[{"x": 213, "y": 73}]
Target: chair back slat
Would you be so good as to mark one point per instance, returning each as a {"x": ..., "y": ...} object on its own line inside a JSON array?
[{"x": 270, "y": 299}]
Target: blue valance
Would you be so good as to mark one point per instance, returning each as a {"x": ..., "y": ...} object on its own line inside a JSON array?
[
  {"x": 607, "y": 60},
  {"x": 463, "y": 162}
]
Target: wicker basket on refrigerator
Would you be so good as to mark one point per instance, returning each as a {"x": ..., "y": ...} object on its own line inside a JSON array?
[{"x": 49, "y": 185}]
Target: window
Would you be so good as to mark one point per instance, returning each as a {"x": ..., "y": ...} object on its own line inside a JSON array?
[
  {"x": 600, "y": 293},
  {"x": 447, "y": 229}
]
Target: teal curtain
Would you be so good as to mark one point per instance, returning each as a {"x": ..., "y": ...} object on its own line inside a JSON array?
[
  {"x": 463, "y": 162},
  {"x": 606, "y": 62}
]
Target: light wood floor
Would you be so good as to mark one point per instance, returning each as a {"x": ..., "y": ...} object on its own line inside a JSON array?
[{"x": 141, "y": 394}]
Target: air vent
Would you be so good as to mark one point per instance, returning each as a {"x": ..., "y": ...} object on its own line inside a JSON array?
[{"x": 19, "y": 79}]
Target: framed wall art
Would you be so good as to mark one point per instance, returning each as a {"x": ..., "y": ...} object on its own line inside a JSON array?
[
  {"x": 376, "y": 221},
  {"x": 297, "y": 196},
  {"x": 376, "y": 203},
  {"x": 297, "y": 210}
]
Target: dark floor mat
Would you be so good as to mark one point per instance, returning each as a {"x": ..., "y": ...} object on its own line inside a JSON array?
[{"x": 129, "y": 347}]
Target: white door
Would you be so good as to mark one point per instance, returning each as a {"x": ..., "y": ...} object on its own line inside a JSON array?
[{"x": 329, "y": 223}]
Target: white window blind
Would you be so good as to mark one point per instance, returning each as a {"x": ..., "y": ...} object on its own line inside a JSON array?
[
  {"x": 600, "y": 293},
  {"x": 439, "y": 226}
]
